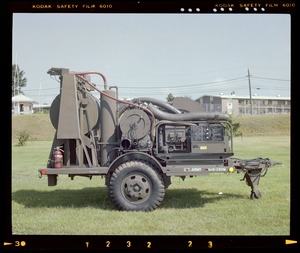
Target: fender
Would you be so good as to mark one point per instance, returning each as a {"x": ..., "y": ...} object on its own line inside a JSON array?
[{"x": 135, "y": 155}]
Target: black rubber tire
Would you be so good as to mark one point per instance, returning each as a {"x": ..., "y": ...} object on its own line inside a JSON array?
[{"x": 136, "y": 186}]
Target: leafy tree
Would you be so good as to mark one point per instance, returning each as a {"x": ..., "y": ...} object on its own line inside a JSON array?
[
  {"x": 170, "y": 97},
  {"x": 235, "y": 127},
  {"x": 18, "y": 80}
]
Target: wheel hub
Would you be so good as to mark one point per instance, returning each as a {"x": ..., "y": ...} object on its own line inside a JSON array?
[{"x": 136, "y": 187}]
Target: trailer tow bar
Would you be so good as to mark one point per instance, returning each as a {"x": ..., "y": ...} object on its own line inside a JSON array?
[{"x": 254, "y": 169}]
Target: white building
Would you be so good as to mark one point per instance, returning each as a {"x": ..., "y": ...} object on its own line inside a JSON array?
[
  {"x": 233, "y": 104},
  {"x": 22, "y": 105}
]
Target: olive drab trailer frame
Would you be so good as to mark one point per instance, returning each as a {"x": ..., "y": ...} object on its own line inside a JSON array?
[{"x": 138, "y": 144}]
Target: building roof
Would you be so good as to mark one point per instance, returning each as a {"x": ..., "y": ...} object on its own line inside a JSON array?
[
  {"x": 248, "y": 97},
  {"x": 21, "y": 98},
  {"x": 37, "y": 106}
]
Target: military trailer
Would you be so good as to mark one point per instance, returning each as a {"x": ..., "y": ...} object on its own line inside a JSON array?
[{"x": 137, "y": 144}]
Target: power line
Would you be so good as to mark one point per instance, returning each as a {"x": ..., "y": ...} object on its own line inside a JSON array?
[
  {"x": 199, "y": 88},
  {"x": 272, "y": 79},
  {"x": 43, "y": 89},
  {"x": 182, "y": 86}
]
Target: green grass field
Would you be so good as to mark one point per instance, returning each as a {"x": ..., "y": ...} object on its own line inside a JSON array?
[{"x": 194, "y": 206}]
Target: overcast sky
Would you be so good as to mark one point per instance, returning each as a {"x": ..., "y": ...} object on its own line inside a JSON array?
[{"x": 156, "y": 54}]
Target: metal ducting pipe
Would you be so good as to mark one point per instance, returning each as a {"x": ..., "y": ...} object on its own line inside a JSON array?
[
  {"x": 108, "y": 127},
  {"x": 159, "y": 103},
  {"x": 186, "y": 116}
]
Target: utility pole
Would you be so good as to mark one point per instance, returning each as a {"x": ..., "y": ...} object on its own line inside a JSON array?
[
  {"x": 40, "y": 94},
  {"x": 251, "y": 105}
]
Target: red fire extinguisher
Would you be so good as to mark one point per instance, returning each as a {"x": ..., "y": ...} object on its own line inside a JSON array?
[{"x": 58, "y": 157}]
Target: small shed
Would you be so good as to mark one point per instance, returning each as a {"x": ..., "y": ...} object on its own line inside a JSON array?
[{"x": 22, "y": 105}]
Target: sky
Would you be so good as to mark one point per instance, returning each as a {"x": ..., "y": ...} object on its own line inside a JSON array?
[{"x": 152, "y": 55}]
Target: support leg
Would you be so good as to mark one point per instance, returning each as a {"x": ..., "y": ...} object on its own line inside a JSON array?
[{"x": 252, "y": 179}]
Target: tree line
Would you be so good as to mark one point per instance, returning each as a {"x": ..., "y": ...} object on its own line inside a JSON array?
[{"x": 18, "y": 79}]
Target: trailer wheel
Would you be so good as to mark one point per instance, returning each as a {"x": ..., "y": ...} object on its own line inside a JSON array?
[{"x": 136, "y": 186}]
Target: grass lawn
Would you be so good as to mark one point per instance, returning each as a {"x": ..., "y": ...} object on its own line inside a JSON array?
[
  {"x": 217, "y": 204},
  {"x": 200, "y": 211}
]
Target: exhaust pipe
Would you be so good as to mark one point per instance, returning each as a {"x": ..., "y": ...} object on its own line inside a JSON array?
[{"x": 186, "y": 116}]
